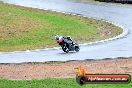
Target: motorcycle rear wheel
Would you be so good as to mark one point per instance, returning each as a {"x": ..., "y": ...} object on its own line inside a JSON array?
[{"x": 77, "y": 49}]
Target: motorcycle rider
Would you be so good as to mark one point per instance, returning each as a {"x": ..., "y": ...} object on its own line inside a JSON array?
[{"x": 65, "y": 39}]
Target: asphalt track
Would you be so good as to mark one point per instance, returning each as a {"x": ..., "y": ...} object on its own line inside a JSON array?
[{"x": 118, "y": 14}]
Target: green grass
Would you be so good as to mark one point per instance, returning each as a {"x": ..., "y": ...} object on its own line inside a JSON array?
[
  {"x": 55, "y": 83},
  {"x": 26, "y": 28}
]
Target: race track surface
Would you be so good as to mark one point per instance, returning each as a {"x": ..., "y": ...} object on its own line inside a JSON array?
[{"x": 119, "y": 14}]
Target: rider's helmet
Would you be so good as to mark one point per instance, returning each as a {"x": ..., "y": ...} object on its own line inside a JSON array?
[{"x": 57, "y": 37}]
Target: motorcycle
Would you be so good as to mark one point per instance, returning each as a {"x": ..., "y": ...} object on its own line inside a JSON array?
[
  {"x": 72, "y": 47},
  {"x": 69, "y": 46}
]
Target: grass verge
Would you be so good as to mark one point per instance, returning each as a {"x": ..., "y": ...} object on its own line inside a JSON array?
[
  {"x": 55, "y": 83},
  {"x": 26, "y": 28}
]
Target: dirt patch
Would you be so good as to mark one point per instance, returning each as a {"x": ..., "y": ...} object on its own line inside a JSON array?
[{"x": 64, "y": 70}]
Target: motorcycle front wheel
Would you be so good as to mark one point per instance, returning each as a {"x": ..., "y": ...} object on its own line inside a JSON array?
[{"x": 65, "y": 49}]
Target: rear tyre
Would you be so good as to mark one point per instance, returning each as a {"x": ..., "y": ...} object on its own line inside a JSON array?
[{"x": 77, "y": 48}]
